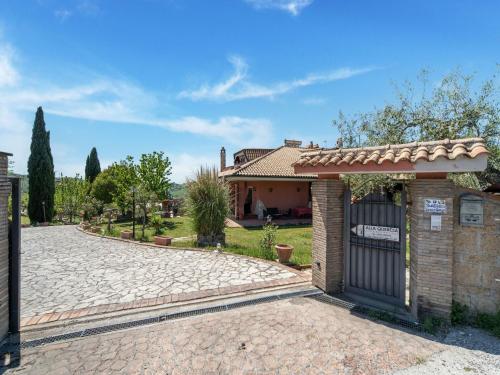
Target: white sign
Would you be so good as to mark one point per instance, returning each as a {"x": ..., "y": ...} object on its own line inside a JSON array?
[
  {"x": 376, "y": 232},
  {"x": 436, "y": 223},
  {"x": 434, "y": 206}
]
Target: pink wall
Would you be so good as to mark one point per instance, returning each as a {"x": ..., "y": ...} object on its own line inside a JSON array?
[{"x": 284, "y": 194}]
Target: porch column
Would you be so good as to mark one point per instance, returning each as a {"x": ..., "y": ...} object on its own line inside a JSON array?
[
  {"x": 327, "y": 243},
  {"x": 431, "y": 249}
]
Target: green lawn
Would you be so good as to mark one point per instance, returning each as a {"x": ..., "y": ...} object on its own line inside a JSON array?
[
  {"x": 244, "y": 241},
  {"x": 173, "y": 227}
]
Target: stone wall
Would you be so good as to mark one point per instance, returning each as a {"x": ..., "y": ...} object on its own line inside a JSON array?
[
  {"x": 327, "y": 243},
  {"x": 4, "y": 249},
  {"x": 476, "y": 259}
]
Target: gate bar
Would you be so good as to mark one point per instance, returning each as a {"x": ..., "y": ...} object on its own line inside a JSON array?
[
  {"x": 15, "y": 257},
  {"x": 347, "y": 238}
]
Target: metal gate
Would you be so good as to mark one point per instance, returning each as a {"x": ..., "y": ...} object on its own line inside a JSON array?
[{"x": 375, "y": 247}]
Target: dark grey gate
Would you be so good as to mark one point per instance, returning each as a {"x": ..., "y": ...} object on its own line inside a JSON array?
[{"x": 375, "y": 247}]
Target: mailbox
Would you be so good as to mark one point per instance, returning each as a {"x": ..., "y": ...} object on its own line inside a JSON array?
[{"x": 471, "y": 210}]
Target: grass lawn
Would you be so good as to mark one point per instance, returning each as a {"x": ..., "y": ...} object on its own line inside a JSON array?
[
  {"x": 245, "y": 241},
  {"x": 173, "y": 227}
]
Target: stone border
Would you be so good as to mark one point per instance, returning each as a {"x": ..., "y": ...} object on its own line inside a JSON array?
[
  {"x": 170, "y": 298},
  {"x": 149, "y": 302}
]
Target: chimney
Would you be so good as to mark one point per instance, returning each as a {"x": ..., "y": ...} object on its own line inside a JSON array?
[
  {"x": 292, "y": 143},
  {"x": 222, "y": 159}
]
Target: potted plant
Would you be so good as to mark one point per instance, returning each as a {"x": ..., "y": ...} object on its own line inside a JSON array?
[
  {"x": 284, "y": 252},
  {"x": 126, "y": 234},
  {"x": 95, "y": 229},
  {"x": 163, "y": 240}
]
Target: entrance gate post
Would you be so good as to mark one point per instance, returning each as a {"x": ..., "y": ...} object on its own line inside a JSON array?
[
  {"x": 431, "y": 249},
  {"x": 328, "y": 226}
]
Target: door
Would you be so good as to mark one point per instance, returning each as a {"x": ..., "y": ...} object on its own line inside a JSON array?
[
  {"x": 247, "y": 209},
  {"x": 375, "y": 247}
]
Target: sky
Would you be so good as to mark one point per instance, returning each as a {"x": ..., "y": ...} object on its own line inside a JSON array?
[{"x": 189, "y": 76}]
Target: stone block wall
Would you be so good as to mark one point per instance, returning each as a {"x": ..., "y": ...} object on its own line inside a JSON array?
[
  {"x": 4, "y": 248},
  {"x": 476, "y": 259},
  {"x": 327, "y": 243},
  {"x": 431, "y": 252}
]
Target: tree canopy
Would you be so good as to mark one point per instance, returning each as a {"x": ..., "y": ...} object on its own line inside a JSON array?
[
  {"x": 153, "y": 171},
  {"x": 455, "y": 107},
  {"x": 92, "y": 166},
  {"x": 41, "y": 173},
  {"x": 70, "y": 196}
]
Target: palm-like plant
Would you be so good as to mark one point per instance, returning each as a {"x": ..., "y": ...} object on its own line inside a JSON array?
[{"x": 208, "y": 205}]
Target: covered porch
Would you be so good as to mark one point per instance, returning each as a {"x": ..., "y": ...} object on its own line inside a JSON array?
[{"x": 286, "y": 201}]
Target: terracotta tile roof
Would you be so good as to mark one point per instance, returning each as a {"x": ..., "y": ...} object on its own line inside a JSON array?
[
  {"x": 277, "y": 163},
  {"x": 254, "y": 153},
  {"x": 407, "y": 154}
]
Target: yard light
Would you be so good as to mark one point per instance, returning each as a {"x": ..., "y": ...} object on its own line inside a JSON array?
[
  {"x": 133, "y": 190},
  {"x": 43, "y": 209}
]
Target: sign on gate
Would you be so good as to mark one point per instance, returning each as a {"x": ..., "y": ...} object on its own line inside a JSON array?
[
  {"x": 434, "y": 206},
  {"x": 376, "y": 232}
]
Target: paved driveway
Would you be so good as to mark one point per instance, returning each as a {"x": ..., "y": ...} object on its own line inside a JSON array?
[
  {"x": 67, "y": 273},
  {"x": 295, "y": 336}
]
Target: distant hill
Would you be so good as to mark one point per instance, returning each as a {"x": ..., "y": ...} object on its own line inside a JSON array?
[{"x": 178, "y": 190}]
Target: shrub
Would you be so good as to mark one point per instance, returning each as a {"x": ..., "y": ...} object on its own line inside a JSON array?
[
  {"x": 433, "y": 324},
  {"x": 156, "y": 222},
  {"x": 208, "y": 206},
  {"x": 459, "y": 313},
  {"x": 489, "y": 322},
  {"x": 91, "y": 207},
  {"x": 268, "y": 240}
]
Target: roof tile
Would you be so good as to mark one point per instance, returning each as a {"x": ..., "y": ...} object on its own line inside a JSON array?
[{"x": 410, "y": 152}]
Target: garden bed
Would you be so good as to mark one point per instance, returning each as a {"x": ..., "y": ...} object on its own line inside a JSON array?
[{"x": 243, "y": 241}]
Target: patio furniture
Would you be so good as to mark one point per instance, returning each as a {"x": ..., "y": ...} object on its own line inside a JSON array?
[
  {"x": 273, "y": 211},
  {"x": 302, "y": 212}
]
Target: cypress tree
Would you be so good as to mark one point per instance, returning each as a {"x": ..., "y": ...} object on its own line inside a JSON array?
[
  {"x": 41, "y": 173},
  {"x": 92, "y": 166}
]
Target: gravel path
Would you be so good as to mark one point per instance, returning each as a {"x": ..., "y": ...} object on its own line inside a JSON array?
[{"x": 468, "y": 351}]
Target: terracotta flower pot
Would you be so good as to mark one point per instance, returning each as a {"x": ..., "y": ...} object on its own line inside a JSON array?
[
  {"x": 163, "y": 240},
  {"x": 284, "y": 252},
  {"x": 126, "y": 234}
]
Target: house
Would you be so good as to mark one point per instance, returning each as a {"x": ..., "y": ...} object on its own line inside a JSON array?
[{"x": 263, "y": 182}]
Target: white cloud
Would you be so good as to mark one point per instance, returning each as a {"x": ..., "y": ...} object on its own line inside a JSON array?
[
  {"x": 238, "y": 87},
  {"x": 314, "y": 101},
  {"x": 184, "y": 165},
  {"x": 8, "y": 74},
  {"x": 108, "y": 100},
  {"x": 294, "y": 7},
  {"x": 63, "y": 14}
]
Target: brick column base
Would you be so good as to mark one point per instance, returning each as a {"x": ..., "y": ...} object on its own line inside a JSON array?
[
  {"x": 431, "y": 257},
  {"x": 327, "y": 244}
]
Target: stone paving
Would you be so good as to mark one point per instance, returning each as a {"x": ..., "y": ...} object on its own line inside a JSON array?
[
  {"x": 295, "y": 336},
  {"x": 67, "y": 273}
]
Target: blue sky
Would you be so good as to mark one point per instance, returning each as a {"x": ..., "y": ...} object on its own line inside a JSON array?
[{"x": 186, "y": 77}]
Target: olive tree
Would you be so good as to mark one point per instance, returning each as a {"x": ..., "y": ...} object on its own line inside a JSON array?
[{"x": 455, "y": 107}]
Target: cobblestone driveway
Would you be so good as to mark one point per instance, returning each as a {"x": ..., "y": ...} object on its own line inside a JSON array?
[
  {"x": 67, "y": 273},
  {"x": 295, "y": 336}
]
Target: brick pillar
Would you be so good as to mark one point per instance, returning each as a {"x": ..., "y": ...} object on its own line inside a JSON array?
[
  {"x": 327, "y": 244},
  {"x": 431, "y": 257},
  {"x": 4, "y": 249}
]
